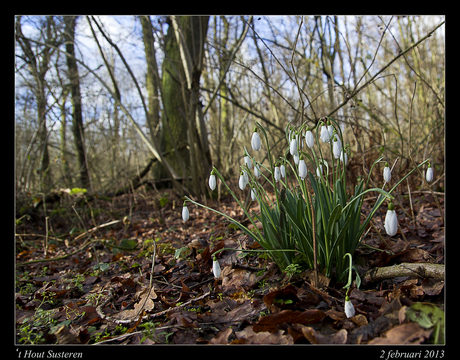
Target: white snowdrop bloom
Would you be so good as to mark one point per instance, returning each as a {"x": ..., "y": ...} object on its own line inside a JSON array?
[
  {"x": 253, "y": 194},
  {"x": 391, "y": 221},
  {"x": 293, "y": 147},
  {"x": 349, "y": 308},
  {"x": 185, "y": 213},
  {"x": 309, "y": 139},
  {"x": 242, "y": 181},
  {"x": 246, "y": 177},
  {"x": 256, "y": 170},
  {"x": 216, "y": 268},
  {"x": 296, "y": 159},
  {"x": 429, "y": 173},
  {"x": 248, "y": 162},
  {"x": 212, "y": 181},
  {"x": 283, "y": 171},
  {"x": 386, "y": 173},
  {"x": 336, "y": 135},
  {"x": 255, "y": 141},
  {"x": 344, "y": 157},
  {"x": 319, "y": 170},
  {"x": 336, "y": 148},
  {"x": 330, "y": 129},
  {"x": 325, "y": 137},
  {"x": 277, "y": 174},
  {"x": 302, "y": 169}
]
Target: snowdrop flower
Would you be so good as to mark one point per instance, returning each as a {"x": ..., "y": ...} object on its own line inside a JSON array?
[
  {"x": 296, "y": 159},
  {"x": 344, "y": 157},
  {"x": 429, "y": 173},
  {"x": 248, "y": 162},
  {"x": 215, "y": 268},
  {"x": 386, "y": 173},
  {"x": 309, "y": 139},
  {"x": 283, "y": 171},
  {"x": 255, "y": 141},
  {"x": 325, "y": 137},
  {"x": 319, "y": 170},
  {"x": 242, "y": 181},
  {"x": 336, "y": 134},
  {"x": 253, "y": 194},
  {"x": 185, "y": 213},
  {"x": 212, "y": 181},
  {"x": 256, "y": 170},
  {"x": 391, "y": 220},
  {"x": 302, "y": 169},
  {"x": 336, "y": 148},
  {"x": 349, "y": 308},
  {"x": 293, "y": 147},
  {"x": 330, "y": 129},
  {"x": 277, "y": 174}
]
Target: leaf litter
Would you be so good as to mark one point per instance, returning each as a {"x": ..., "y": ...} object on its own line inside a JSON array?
[{"x": 101, "y": 293}]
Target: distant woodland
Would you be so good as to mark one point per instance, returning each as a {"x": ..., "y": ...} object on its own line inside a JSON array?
[{"x": 112, "y": 103}]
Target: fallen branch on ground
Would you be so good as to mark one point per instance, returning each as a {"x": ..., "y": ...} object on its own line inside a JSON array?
[{"x": 422, "y": 270}]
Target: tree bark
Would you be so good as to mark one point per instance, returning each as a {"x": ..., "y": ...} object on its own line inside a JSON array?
[
  {"x": 152, "y": 77},
  {"x": 77, "y": 123},
  {"x": 184, "y": 49},
  {"x": 423, "y": 270}
]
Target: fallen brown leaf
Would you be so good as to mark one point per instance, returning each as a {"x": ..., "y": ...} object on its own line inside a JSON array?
[
  {"x": 270, "y": 322},
  {"x": 340, "y": 337},
  {"x": 248, "y": 336},
  {"x": 407, "y": 333}
]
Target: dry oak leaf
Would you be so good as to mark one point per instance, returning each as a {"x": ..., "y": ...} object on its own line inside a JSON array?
[
  {"x": 270, "y": 322},
  {"x": 340, "y": 337},
  {"x": 407, "y": 333},
  {"x": 248, "y": 336}
]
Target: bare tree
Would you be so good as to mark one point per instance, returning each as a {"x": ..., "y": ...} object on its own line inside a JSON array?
[{"x": 77, "y": 117}]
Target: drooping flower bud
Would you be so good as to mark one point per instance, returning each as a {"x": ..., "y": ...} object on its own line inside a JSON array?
[
  {"x": 293, "y": 147},
  {"x": 386, "y": 173},
  {"x": 242, "y": 181},
  {"x": 391, "y": 220},
  {"x": 309, "y": 139},
  {"x": 319, "y": 170},
  {"x": 325, "y": 137},
  {"x": 212, "y": 181},
  {"x": 429, "y": 173},
  {"x": 302, "y": 168},
  {"x": 344, "y": 157},
  {"x": 185, "y": 213},
  {"x": 248, "y": 162},
  {"x": 349, "y": 308},
  {"x": 283, "y": 170},
  {"x": 277, "y": 173},
  {"x": 336, "y": 147},
  {"x": 256, "y": 170},
  {"x": 216, "y": 268},
  {"x": 255, "y": 141},
  {"x": 253, "y": 194}
]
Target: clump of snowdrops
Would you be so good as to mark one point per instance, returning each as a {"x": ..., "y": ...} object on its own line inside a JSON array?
[{"x": 312, "y": 219}]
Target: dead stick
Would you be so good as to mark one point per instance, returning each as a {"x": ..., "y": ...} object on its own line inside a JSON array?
[{"x": 422, "y": 270}]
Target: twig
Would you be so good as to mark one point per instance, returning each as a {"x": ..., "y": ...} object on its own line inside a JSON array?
[
  {"x": 58, "y": 257},
  {"x": 424, "y": 270},
  {"x": 164, "y": 312},
  {"x": 97, "y": 227}
]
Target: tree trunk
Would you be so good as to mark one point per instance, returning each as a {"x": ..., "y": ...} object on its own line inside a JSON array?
[
  {"x": 38, "y": 66},
  {"x": 77, "y": 128},
  {"x": 181, "y": 93},
  {"x": 152, "y": 77}
]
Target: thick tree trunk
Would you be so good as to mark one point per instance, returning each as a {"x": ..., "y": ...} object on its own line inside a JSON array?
[
  {"x": 152, "y": 77},
  {"x": 181, "y": 76},
  {"x": 77, "y": 128}
]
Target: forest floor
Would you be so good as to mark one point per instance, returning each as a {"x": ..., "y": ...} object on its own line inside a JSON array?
[{"x": 92, "y": 286}]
